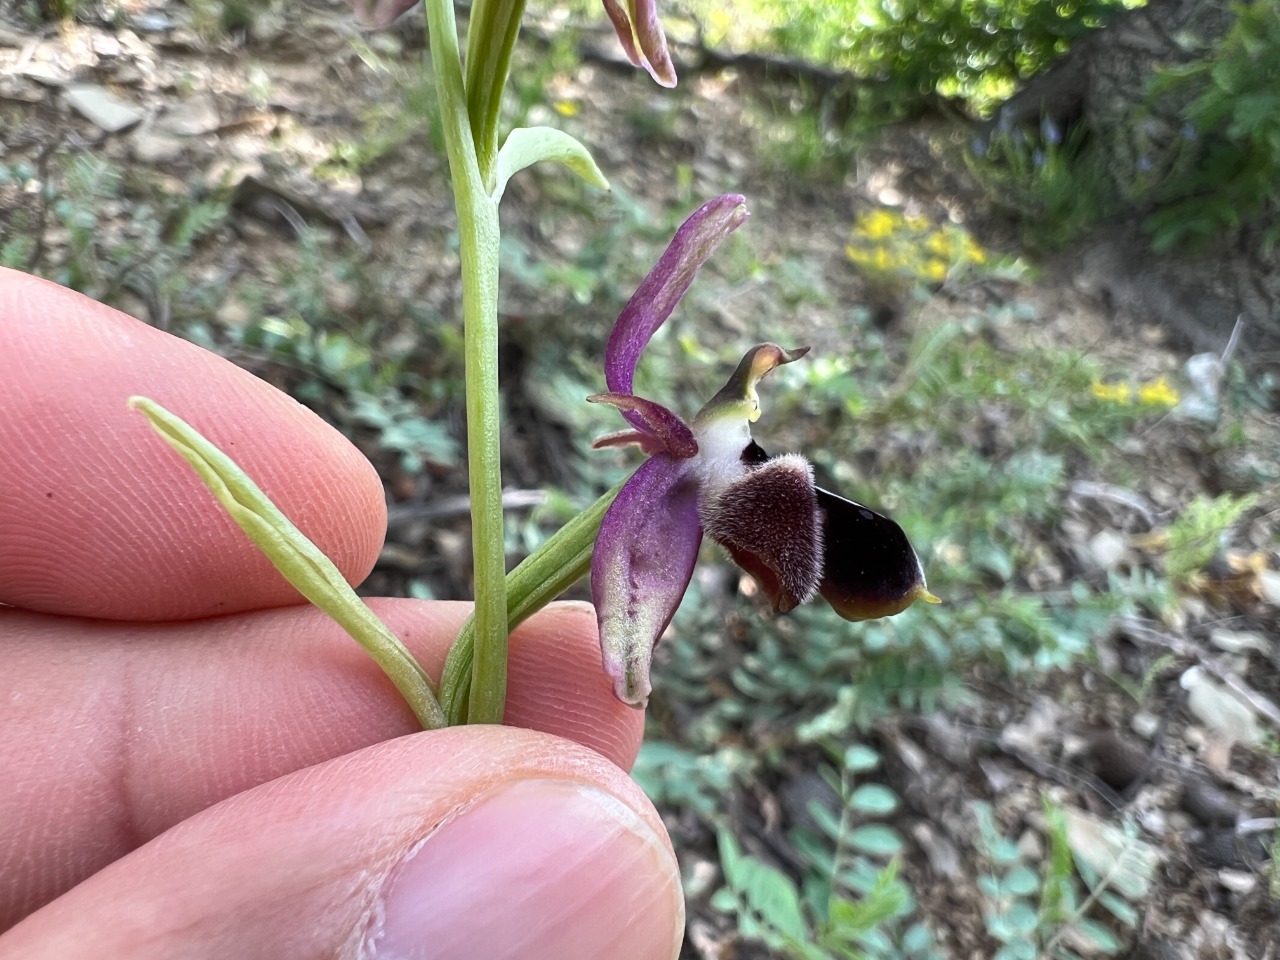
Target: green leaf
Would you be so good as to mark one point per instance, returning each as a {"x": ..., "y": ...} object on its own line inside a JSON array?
[
  {"x": 860, "y": 758},
  {"x": 1120, "y": 909},
  {"x": 1100, "y": 938},
  {"x": 538, "y": 579},
  {"x": 299, "y": 560},
  {"x": 886, "y": 899},
  {"x": 726, "y": 901},
  {"x": 876, "y": 839},
  {"x": 874, "y": 799},
  {"x": 1021, "y": 919},
  {"x": 730, "y": 858},
  {"x": 775, "y": 897},
  {"x": 526, "y": 146},
  {"x": 1020, "y": 882}
]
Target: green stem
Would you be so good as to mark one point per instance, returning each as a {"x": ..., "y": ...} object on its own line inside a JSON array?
[
  {"x": 541, "y": 577},
  {"x": 478, "y": 247}
]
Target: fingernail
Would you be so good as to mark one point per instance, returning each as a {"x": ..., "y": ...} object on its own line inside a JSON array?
[{"x": 537, "y": 868}]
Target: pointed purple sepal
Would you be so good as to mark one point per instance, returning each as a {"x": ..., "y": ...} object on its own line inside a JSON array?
[
  {"x": 769, "y": 522},
  {"x": 643, "y": 559},
  {"x": 661, "y": 290},
  {"x": 659, "y": 422}
]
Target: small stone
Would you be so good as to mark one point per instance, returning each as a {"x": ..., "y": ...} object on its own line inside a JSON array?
[
  {"x": 191, "y": 117},
  {"x": 102, "y": 108},
  {"x": 151, "y": 22},
  {"x": 1237, "y": 641},
  {"x": 105, "y": 45},
  {"x": 1237, "y": 881},
  {"x": 234, "y": 314},
  {"x": 1269, "y": 587},
  {"x": 1107, "y": 548},
  {"x": 1145, "y": 724},
  {"x": 152, "y": 146},
  {"x": 43, "y": 72}
]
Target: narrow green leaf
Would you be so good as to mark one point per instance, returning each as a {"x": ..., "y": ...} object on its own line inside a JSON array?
[
  {"x": 730, "y": 858},
  {"x": 541, "y": 577},
  {"x": 526, "y": 146},
  {"x": 492, "y": 29},
  {"x": 298, "y": 559}
]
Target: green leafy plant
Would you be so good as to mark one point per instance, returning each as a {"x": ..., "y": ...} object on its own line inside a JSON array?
[
  {"x": 850, "y": 901},
  {"x": 1196, "y": 535},
  {"x": 1232, "y": 130},
  {"x": 1049, "y": 183},
  {"x": 1046, "y": 914},
  {"x": 920, "y": 49}
]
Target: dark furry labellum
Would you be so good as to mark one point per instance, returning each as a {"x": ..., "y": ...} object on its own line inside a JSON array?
[
  {"x": 770, "y": 524},
  {"x": 869, "y": 568}
]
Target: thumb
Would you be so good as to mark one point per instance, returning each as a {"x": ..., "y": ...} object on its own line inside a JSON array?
[{"x": 468, "y": 842}]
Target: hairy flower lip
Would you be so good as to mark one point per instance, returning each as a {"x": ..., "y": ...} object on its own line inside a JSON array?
[{"x": 858, "y": 541}]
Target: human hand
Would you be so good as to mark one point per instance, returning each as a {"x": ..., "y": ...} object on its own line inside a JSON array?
[{"x": 250, "y": 785}]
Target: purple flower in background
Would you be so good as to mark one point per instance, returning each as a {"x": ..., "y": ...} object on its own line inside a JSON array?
[
  {"x": 638, "y": 28},
  {"x": 1050, "y": 133},
  {"x": 708, "y": 475}
]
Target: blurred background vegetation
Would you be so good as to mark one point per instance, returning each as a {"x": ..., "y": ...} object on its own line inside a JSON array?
[{"x": 1013, "y": 180}]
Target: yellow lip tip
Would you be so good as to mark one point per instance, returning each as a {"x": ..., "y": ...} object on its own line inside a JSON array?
[{"x": 928, "y": 597}]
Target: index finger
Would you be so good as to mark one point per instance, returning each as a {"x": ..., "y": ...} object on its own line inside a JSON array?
[{"x": 99, "y": 518}]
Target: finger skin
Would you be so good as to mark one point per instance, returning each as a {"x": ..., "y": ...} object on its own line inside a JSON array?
[
  {"x": 100, "y": 518},
  {"x": 111, "y": 733},
  {"x": 314, "y": 865}
]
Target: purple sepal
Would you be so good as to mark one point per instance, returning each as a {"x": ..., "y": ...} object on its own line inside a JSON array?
[
  {"x": 643, "y": 559},
  {"x": 658, "y": 422},
  {"x": 661, "y": 290}
]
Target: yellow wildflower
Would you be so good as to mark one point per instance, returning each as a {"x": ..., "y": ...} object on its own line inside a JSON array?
[
  {"x": 566, "y": 108},
  {"x": 935, "y": 270},
  {"x": 1112, "y": 392},
  {"x": 876, "y": 225},
  {"x": 857, "y": 254},
  {"x": 1158, "y": 393},
  {"x": 973, "y": 252},
  {"x": 940, "y": 243}
]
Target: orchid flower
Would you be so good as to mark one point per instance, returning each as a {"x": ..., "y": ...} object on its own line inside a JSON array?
[{"x": 709, "y": 476}]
